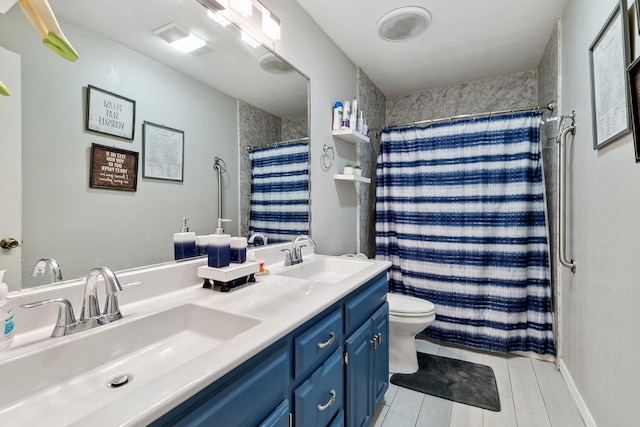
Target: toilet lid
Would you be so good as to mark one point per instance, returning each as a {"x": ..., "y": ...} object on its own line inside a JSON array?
[{"x": 403, "y": 304}]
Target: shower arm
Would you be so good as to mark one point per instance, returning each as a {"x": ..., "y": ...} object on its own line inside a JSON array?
[{"x": 562, "y": 176}]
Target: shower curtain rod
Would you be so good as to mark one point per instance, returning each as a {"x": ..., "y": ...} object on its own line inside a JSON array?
[
  {"x": 550, "y": 106},
  {"x": 275, "y": 144}
]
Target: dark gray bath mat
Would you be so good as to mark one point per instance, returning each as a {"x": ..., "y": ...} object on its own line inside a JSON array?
[{"x": 453, "y": 379}]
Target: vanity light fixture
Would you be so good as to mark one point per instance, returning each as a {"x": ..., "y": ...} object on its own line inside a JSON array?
[
  {"x": 217, "y": 17},
  {"x": 245, "y": 7},
  {"x": 270, "y": 23},
  {"x": 404, "y": 23},
  {"x": 249, "y": 39}
]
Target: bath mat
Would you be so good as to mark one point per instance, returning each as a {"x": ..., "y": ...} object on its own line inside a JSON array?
[{"x": 453, "y": 379}]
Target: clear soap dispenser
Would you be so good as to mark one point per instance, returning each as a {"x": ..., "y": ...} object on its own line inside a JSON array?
[
  {"x": 220, "y": 247},
  {"x": 184, "y": 243}
]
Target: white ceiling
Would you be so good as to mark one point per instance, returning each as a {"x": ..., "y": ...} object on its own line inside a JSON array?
[{"x": 467, "y": 39}]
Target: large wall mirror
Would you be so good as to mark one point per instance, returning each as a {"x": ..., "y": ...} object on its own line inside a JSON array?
[{"x": 224, "y": 99}]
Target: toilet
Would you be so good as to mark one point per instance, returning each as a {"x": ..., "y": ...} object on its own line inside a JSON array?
[{"x": 407, "y": 317}]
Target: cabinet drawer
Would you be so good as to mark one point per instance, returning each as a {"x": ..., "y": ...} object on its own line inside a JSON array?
[
  {"x": 244, "y": 402},
  {"x": 358, "y": 309},
  {"x": 317, "y": 343},
  {"x": 321, "y": 396}
]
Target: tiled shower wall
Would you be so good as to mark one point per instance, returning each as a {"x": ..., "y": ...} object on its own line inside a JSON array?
[{"x": 519, "y": 90}]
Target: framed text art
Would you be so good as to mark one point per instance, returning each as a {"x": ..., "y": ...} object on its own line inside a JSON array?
[
  {"x": 163, "y": 152},
  {"x": 110, "y": 114},
  {"x": 113, "y": 168},
  {"x": 608, "y": 59}
]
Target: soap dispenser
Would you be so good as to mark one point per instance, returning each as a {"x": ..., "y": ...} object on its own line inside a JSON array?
[
  {"x": 184, "y": 243},
  {"x": 219, "y": 247},
  {"x": 6, "y": 314}
]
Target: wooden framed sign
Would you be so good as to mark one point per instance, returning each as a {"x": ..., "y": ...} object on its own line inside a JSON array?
[
  {"x": 109, "y": 113},
  {"x": 113, "y": 168}
]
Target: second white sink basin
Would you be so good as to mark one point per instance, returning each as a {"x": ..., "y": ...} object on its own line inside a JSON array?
[
  {"x": 327, "y": 270},
  {"x": 75, "y": 373}
]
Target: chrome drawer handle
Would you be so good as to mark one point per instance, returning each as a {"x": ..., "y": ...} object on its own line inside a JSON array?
[
  {"x": 332, "y": 338},
  {"x": 330, "y": 402}
]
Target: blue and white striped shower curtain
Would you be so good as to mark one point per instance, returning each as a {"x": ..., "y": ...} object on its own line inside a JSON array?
[
  {"x": 460, "y": 213},
  {"x": 280, "y": 191}
]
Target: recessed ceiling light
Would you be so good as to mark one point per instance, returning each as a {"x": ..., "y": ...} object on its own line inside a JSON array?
[{"x": 404, "y": 23}]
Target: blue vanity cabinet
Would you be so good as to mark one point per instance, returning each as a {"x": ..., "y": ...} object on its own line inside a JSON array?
[
  {"x": 321, "y": 396},
  {"x": 280, "y": 417},
  {"x": 311, "y": 377},
  {"x": 367, "y": 353},
  {"x": 247, "y": 396}
]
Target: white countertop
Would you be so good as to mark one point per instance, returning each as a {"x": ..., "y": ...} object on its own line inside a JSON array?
[{"x": 281, "y": 303}]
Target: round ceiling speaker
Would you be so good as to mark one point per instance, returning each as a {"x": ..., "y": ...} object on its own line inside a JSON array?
[{"x": 404, "y": 23}]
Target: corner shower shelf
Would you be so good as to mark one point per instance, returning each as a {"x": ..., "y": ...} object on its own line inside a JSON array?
[
  {"x": 354, "y": 178},
  {"x": 351, "y": 135}
]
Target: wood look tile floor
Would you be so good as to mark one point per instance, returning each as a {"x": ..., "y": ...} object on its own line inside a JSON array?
[{"x": 532, "y": 394}]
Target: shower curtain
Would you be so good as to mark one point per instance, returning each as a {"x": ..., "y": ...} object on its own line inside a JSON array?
[
  {"x": 460, "y": 213},
  {"x": 280, "y": 191}
]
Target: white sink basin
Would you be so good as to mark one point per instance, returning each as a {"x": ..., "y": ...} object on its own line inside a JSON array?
[
  {"x": 70, "y": 378},
  {"x": 326, "y": 270}
]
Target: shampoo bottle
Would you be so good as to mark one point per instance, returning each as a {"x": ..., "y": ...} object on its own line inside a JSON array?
[
  {"x": 219, "y": 247},
  {"x": 346, "y": 114},
  {"x": 6, "y": 314},
  {"x": 184, "y": 243},
  {"x": 353, "y": 122},
  {"x": 337, "y": 115}
]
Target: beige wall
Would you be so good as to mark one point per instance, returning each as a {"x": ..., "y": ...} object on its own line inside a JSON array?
[{"x": 600, "y": 301}]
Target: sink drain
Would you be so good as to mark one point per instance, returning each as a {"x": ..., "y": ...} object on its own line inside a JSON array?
[{"x": 119, "y": 380}]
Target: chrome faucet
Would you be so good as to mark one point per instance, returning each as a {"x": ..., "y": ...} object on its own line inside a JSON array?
[
  {"x": 253, "y": 236},
  {"x": 90, "y": 315},
  {"x": 44, "y": 265},
  {"x": 293, "y": 256}
]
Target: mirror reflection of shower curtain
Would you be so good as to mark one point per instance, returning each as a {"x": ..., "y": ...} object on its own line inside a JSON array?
[
  {"x": 280, "y": 191},
  {"x": 460, "y": 213}
]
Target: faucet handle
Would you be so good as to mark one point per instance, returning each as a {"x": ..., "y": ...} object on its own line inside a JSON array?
[
  {"x": 65, "y": 320},
  {"x": 287, "y": 256},
  {"x": 111, "y": 307}
]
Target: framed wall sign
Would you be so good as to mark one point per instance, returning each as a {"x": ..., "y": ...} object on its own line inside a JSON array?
[
  {"x": 113, "y": 168},
  {"x": 608, "y": 59},
  {"x": 634, "y": 92},
  {"x": 110, "y": 114},
  {"x": 163, "y": 152}
]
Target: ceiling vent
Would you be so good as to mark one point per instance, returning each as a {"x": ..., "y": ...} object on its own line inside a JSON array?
[{"x": 404, "y": 23}]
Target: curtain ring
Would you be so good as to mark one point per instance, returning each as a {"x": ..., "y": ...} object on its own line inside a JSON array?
[{"x": 327, "y": 158}]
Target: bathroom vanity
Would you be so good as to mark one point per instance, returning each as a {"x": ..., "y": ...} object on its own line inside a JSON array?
[{"x": 305, "y": 345}]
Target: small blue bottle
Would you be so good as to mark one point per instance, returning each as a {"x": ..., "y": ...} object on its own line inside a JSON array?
[{"x": 238, "y": 250}]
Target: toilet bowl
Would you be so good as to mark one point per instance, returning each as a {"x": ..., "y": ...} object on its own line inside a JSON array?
[{"x": 407, "y": 317}]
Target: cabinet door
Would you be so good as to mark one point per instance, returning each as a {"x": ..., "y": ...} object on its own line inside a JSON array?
[
  {"x": 358, "y": 378},
  {"x": 245, "y": 402},
  {"x": 380, "y": 360},
  {"x": 321, "y": 396},
  {"x": 279, "y": 417}
]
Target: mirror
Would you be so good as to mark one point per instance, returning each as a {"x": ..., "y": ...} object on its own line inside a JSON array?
[{"x": 222, "y": 99}]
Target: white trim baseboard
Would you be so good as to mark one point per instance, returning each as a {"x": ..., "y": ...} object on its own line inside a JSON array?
[{"x": 576, "y": 396}]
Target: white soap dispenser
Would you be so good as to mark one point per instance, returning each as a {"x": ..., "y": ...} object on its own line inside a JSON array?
[
  {"x": 184, "y": 243},
  {"x": 6, "y": 314},
  {"x": 219, "y": 247}
]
